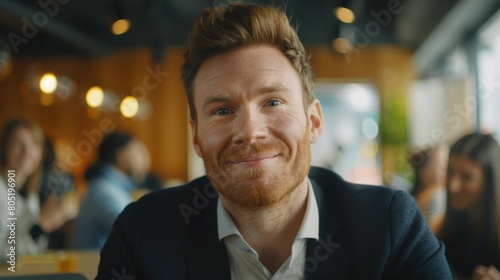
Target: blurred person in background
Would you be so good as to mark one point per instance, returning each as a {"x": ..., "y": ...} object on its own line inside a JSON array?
[
  {"x": 60, "y": 182},
  {"x": 471, "y": 226},
  {"x": 21, "y": 150},
  {"x": 123, "y": 163},
  {"x": 430, "y": 183}
]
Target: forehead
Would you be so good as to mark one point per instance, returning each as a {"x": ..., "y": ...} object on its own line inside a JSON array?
[
  {"x": 22, "y": 133},
  {"x": 463, "y": 162},
  {"x": 247, "y": 66}
]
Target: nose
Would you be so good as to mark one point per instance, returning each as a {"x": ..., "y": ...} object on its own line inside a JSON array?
[
  {"x": 249, "y": 126},
  {"x": 23, "y": 151},
  {"x": 28, "y": 151},
  {"x": 454, "y": 184}
]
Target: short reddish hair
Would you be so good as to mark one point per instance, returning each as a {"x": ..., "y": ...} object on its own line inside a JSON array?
[{"x": 225, "y": 28}]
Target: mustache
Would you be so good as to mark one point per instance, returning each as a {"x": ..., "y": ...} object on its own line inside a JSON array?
[{"x": 237, "y": 153}]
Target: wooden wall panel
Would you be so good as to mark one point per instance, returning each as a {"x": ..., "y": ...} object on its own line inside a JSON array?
[
  {"x": 390, "y": 68},
  {"x": 165, "y": 132},
  {"x": 66, "y": 120}
]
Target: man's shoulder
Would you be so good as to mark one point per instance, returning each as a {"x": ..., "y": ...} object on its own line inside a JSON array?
[
  {"x": 330, "y": 182},
  {"x": 178, "y": 208},
  {"x": 333, "y": 190},
  {"x": 361, "y": 207}
]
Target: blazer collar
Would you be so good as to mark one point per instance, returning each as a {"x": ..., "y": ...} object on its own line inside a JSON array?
[
  {"x": 206, "y": 256},
  {"x": 329, "y": 256}
]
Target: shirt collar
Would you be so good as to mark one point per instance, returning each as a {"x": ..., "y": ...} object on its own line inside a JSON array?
[{"x": 308, "y": 229}]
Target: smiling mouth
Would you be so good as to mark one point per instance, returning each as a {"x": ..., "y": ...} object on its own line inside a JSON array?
[{"x": 253, "y": 159}]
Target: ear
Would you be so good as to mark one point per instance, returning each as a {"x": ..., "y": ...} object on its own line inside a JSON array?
[
  {"x": 196, "y": 144},
  {"x": 315, "y": 119}
]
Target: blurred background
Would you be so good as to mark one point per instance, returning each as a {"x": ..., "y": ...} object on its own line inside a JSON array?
[{"x": 393, "y": 76}]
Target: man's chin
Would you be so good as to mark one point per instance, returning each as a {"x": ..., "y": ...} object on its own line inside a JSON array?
[
  {"x": 256, "y": 175},
  {"x": 252, "y": 202},
  {"x": 255, "y": 190}
]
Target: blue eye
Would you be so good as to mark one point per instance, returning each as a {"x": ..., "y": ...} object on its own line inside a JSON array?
[
  {"x": 273, "y": 103},
  {"x": 222, "y": 111}
]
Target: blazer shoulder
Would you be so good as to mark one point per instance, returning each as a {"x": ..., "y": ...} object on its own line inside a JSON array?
[
  {"x": 329, "y": 184},
  {"x": 194, "y": 201}
]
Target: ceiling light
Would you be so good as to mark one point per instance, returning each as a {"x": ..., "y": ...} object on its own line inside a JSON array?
[
  {"x": 129, "y": 106},
  {"x": 345, "y": 15},
  {"x": 48, "y": 83},
  {"x": 94, "y": 97},
  {"x": 120, "y": 26}
]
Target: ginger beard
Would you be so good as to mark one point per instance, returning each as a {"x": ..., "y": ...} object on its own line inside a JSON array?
[{"x": 259, "y": 187}]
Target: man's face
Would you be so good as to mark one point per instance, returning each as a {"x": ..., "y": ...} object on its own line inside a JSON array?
[
  {"x": 135, "y": 160},
  {"x": 252, "y": 131}
]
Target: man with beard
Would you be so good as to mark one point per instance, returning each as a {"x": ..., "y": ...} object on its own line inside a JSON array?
[{"x": 262, "y": 212}]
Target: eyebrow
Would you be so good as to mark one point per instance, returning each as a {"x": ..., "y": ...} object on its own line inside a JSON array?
[
  {"x": 273, "y": 89},
  {"x": 215, "y": 99}
]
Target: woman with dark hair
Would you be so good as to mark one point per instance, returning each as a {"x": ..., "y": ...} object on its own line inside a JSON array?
[
  {"x": 471, "y": 226},
  {"x": 60, "y": 183},
  {"x": 21, "y": 156}
]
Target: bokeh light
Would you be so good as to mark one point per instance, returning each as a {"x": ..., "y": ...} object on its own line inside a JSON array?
[
  {"x": 120, "y": 26},
  {"x": 94, "y": 97},
  {"x": 48, "y": 83},
  {"x": 342, "y": 45},
  {"x": 369, "y": 128},
  {"x": 345, "y": 15},
  {"x": 129, "y": 106}
]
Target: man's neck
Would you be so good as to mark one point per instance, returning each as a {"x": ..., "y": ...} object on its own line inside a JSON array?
[{"x": 271, "y": 231}]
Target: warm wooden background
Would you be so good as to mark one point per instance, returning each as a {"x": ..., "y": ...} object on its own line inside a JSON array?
[{"x": 166, "y": 132}]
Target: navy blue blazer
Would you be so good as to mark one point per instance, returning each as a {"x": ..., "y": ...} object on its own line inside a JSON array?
[{"x": 365, "y": 232}]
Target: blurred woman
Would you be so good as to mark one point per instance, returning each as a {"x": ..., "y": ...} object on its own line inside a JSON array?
[
  {"x": 471, "y": 227},
  {"x": 430, "y": 178},
  {"x": 61, "y": 183},
  {"x": 21, "y": 154}
]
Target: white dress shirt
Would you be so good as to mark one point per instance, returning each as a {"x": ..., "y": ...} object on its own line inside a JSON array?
[{"x": 244, "y": 260}]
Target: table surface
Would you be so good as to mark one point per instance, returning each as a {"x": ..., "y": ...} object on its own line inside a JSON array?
[{"x": 84, "y": 262}]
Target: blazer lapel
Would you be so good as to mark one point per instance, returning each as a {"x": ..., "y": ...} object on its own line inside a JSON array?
[
  {"x": 206, "y": 256},
  {"x": 329, "y": 257}
]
